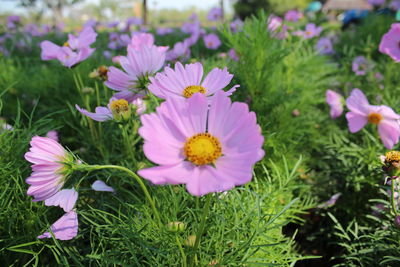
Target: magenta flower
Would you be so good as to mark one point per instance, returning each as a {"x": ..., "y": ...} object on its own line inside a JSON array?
[
  {"x": 210, "y": 149},
  {"x": 293, "y": 15},
  {"x": 214, "y": 14},
  {"x": 184, "y": 81},
  {"x": 64, "y": 228},
  {"x": 49, "y": 167},
  {"x": 212, "y": 41},
  {"x": 101, "y": 186},
  {"x": 390, "y": 43},
  {"x": 361, "y": 112},
  {"x": 361, "y": 66},
  {"x": 324, "y": 46},
  {"x": 75, "y": 50},
  {"x": 335, "y": 101},
  {"x": 65, "y": 199}
]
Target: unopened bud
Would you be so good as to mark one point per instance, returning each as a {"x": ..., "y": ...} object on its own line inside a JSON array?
[
  {"x": 87, "y": 90},
  {"x": 190, "y": 241},
  {"x": 176, "y": 226}
]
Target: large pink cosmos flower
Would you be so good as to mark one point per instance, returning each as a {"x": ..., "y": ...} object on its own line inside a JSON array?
[
  {"x": 75, "y": 50},
  {"x": 143, "y": 59},
  {"x": 184, "y": 81},
  {"x": 212, "y": 41},
  {"x": 49, "y": 171},
  {"x": 335, "y": 101},
  {"x": 209, "y": 147},
  {"x": 390, "y": 43},
  {"x": 64, "y": 228},
  {"x": 361, "y": 112}
]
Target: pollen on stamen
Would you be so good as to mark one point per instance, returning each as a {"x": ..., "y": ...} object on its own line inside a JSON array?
[
  {"x": 202, "y": 149},
  {"x": 192, "y": 89},
  {"x": 374, "y": 118}
]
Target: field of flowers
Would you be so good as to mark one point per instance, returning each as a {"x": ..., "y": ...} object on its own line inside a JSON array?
[{"x": 264, "y": 142}]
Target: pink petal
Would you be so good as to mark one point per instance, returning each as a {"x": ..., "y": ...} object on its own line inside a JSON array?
[
  {"x": 64, "y": 228},
  {"x": 65, "y": 199},
  {"x": 356, "y": 121}
]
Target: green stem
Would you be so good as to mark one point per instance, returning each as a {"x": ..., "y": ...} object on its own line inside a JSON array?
[
  {"x": 200, "y": 232},
  {"x": 392, "y": 199},
  {"x": 131, "y": 173},
  {"x": 184, "y": 263}
]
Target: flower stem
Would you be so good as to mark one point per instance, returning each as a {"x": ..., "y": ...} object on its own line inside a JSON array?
[
  {"x": 135, "y": 176},
  {"x": 206, "y": 210},
  {"x": 392, "y": 199}
]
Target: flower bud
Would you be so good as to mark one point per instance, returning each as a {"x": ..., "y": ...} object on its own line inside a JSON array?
[
  {"x": 176, "y": 226},
  {"x": 87, "y": 90},
  {"x": 190, "y": 241},
  {"x": 397, "y": 221}
]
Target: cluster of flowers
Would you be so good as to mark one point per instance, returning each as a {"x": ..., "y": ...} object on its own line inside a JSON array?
[{"x": 197, "y": 136}]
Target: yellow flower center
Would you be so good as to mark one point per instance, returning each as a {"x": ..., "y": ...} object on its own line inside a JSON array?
[
  {"x": 192, "y": 89},
  {"x": 202, "y": 149},
  {"x": 392, "y": 156},
  {"x": 66, "y": 44},
  {"x": 374, "y": 118}
]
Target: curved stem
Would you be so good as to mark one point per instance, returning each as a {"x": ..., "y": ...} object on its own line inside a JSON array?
[
  {"x": 206, "y": 210},
  {"x": 135, "y": 176},
  {"x": 392, "y": 199}
]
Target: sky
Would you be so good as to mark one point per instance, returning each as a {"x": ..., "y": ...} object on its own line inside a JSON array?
[{"x": 11, "y": 5}]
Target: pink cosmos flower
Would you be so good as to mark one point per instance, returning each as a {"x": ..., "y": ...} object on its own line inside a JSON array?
[
  {"x": 210, "y": 148},
  {"x": 311, "y": 31},
  {"x": 293, "y": 15},
  {"x": 117, "y": 109},
  {"x": 64, "y": 228},
  {"x": 143, "y": 59},
  {"x": 212, "y": 41},
  {"x": 101, "y": 186},
  {"x": 274, "y": 23},
  {"x": 65, "y": 199},
  {"x": 181, "y": 51},
  {"x": 233, "y": 55},
  {"x": 361, "y": 65},
  {"x": 49, "y": 171},
  {"x": 335, "y": 101},
  {"x": 183, "y": 81},
  {"x": 395, "y": 5},
  {"x": 13, "y": 21},
  {"x": 52, "y": 135},
  {"x": 75, "y": 50},
  {"x": 236, "y": 25},
  {"x": 215, "y": 14},
  {"x": 390, "y": 43},
  {"x": 361, "y": 112},
  {"x": 324, "y": 46},
  {"x": 164, "y": 31},
  {"x": 376, "y": 2}
]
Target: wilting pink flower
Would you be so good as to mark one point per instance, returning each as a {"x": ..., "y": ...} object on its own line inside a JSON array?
[
  {"x": 210, "y": 149},
  {"x": 311, "y": 31},
  {"x": 324, "y": 46},
  {"x": 75, "y": 50},
  {"x": 101, "y": 186},
  {"x": 65, "y": 199},
  {"x": 390, "y": 43},
  {"x": 293, "y": 15},
  {"x": 64, "y": 228},
  {"x": 361, "y": 65},
  {"x": 236, "y": 25},
  {"x": 335, "y": 101},
  {"x": 184, "y": 81},
  {"x": 212, "y": 41},
  {"x": 232, "y": 54},
  {"x": 49, "y": 169},
  {"x": 52, "y": 135},
  {"x": 361, "y": 112},
  {"x": 331, "y": 202},
  {"x": 215, "y": 14},
  {"x": 117, "y": 109}
]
